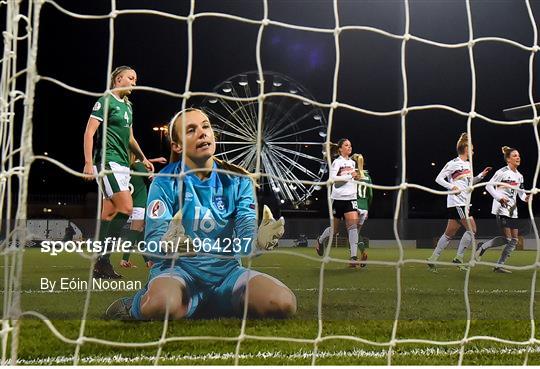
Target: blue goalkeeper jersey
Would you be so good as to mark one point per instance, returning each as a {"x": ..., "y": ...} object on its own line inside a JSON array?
[{"x": 218, "y": 214}]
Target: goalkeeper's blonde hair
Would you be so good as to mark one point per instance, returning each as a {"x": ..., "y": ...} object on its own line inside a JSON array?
[
  {"x": 462, "y": 143},
  {"x": 359, "y": 159}
]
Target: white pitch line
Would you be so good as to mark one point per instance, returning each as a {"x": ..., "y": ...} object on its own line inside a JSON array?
[
  {"x": 302, "y": 354},
  {"x": 413, "y": 289}
]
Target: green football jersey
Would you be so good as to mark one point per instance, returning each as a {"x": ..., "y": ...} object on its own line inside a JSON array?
[
  {"x": 120, "y": 118},
  {"x": 365, "y": 194},
  {"x": 138, "y": 185}
]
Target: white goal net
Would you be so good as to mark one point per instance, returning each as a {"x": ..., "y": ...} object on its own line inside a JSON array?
[{"x": 20, "y": 78}]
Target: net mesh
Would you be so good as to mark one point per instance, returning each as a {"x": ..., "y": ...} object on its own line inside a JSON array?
[{"x": 17, "y": 159}]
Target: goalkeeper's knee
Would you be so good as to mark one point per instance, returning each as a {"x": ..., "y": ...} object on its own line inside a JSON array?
[{"x": 281, "y": 304}]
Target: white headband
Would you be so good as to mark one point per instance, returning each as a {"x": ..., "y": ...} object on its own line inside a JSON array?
[{"x": 171, "y": 123}]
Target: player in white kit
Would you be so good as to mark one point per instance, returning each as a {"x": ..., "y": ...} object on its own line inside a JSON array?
[
  {"x": 344, "y": 200},
  {"x": 457, "y": 176},
  {"x": 505, "y": 206}
]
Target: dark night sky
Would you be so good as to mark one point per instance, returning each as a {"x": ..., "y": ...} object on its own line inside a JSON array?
[{"x": 75, "y": 52}]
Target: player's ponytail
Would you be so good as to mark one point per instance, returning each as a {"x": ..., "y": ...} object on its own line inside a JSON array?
[
  {"x": 507, "y": 150},
  {"x": 462, "y": 143},
  {"x": 334, "y": 150}
]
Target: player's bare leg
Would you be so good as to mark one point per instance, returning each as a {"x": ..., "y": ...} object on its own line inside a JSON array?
[
  {"x": 268, "y": 299},
  {"x": 165, "y": 294}
]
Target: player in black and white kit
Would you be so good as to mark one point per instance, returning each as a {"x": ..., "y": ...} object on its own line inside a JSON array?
[
  {"x": 505, "y": 206},
  {"x": 344, "y": 200},
  {"x": 457, "y": 176}
]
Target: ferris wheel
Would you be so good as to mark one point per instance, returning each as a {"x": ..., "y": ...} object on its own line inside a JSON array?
[{"x": 293, "y": 133}]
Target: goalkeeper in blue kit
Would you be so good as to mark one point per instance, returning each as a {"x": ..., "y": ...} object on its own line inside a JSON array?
[{"x": 206, "y": 220}]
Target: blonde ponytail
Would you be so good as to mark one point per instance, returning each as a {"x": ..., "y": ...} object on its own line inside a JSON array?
[
  {"x": 462, "y": 143},
  {"x": 507, "y": 150}
]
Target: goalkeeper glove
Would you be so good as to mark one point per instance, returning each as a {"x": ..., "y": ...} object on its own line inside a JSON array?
[
  {"x": 175, "y": 238},
  {"x": 270, "y": 230}
]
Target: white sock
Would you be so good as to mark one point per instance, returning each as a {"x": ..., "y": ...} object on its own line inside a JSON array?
[
  {"x": 353, "y": 241},
  {"x": 325, "y": 235},
  {"x": 466, "y": 241},
  {"x": 441, "y": 245},
  {"x": 510, "y": 246},
  {"x": 494, "y": 242}
]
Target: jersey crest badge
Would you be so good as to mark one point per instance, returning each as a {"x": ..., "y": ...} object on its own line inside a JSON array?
[
  {"x": 97, "y": 106},
  {"x": 220, "y": 204}
]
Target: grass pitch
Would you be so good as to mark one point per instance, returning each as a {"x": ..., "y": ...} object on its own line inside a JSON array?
[{"x": 357, "y": 303}]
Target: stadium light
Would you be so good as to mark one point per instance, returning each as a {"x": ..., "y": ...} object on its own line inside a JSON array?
[{"x": 162, "y": 129}]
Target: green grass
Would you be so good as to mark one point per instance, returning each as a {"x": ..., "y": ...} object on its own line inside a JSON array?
[{"x": 356, "y": 303}]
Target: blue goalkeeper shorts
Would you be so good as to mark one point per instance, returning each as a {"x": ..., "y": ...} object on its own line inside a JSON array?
[{"x": 208, "y": 297}]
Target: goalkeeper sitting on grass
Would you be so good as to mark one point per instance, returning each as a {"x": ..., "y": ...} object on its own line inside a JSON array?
[{"x": 199, "y": 273}]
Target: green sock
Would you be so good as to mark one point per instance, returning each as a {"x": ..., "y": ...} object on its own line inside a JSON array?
[
  {"x": 117, "y": 223},
  {"x": 103, "y": 231},
  {"x": 361, "y": 245},
  {"x": 133, "y": 237},
  {"x": 115, "y": 227}
]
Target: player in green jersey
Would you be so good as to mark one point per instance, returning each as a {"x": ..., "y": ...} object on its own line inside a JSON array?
[
  {"x": 116, "y": 109},
  {"x": 365, "y": 196}
]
